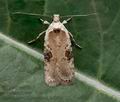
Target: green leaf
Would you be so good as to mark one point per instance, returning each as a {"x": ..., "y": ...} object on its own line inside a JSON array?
[{"x": 21, "y": 68}]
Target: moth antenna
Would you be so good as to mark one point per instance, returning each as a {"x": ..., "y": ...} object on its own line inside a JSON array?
[
  {"x": 80, "y": 15},
  {"x": 30, "y": 14}
]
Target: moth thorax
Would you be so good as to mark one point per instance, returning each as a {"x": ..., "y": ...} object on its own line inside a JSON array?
[{"x": 56, "y": 17}]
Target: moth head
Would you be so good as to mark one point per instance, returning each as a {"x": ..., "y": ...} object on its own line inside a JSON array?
[{"x": 56, "y": 17}]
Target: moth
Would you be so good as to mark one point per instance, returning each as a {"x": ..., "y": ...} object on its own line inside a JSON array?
[{"x": 58, "y": 57}]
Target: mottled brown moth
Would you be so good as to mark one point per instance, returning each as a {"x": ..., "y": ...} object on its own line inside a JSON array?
[{"x": 58, "y": 57}]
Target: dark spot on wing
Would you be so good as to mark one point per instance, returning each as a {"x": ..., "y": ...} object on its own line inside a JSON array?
[
  {"x": 56, "y": 30},
  {"x": 68, "y": 54},
  {"x": 47, "y": 56}
]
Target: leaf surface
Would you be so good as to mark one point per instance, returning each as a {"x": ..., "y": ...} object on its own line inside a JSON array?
[{"x": 21, "y": 75}]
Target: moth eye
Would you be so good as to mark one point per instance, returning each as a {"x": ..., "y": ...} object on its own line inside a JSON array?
[
  {"x": 56, "y": 30},
  {"x": 68, "y": 54},
  {"x": 47, "y": 55}
]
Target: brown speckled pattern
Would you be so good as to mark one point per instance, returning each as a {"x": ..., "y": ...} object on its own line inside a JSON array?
[{"x": 59, "y": 66}]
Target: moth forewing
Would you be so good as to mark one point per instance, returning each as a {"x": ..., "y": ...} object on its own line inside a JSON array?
[
  {"x": 59, "y": 66},
  {"x": 58, "y": 58}
]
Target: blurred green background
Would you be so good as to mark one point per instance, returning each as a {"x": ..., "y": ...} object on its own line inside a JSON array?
[{"x": 21, "y": 75}]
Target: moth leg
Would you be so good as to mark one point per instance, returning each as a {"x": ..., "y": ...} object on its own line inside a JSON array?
[
  {"x": 67, "y": 20},
  {"x": 32, "y": 41},
  {"x": 74, "y": 42},
  {"x": 45, "y": 22}
]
